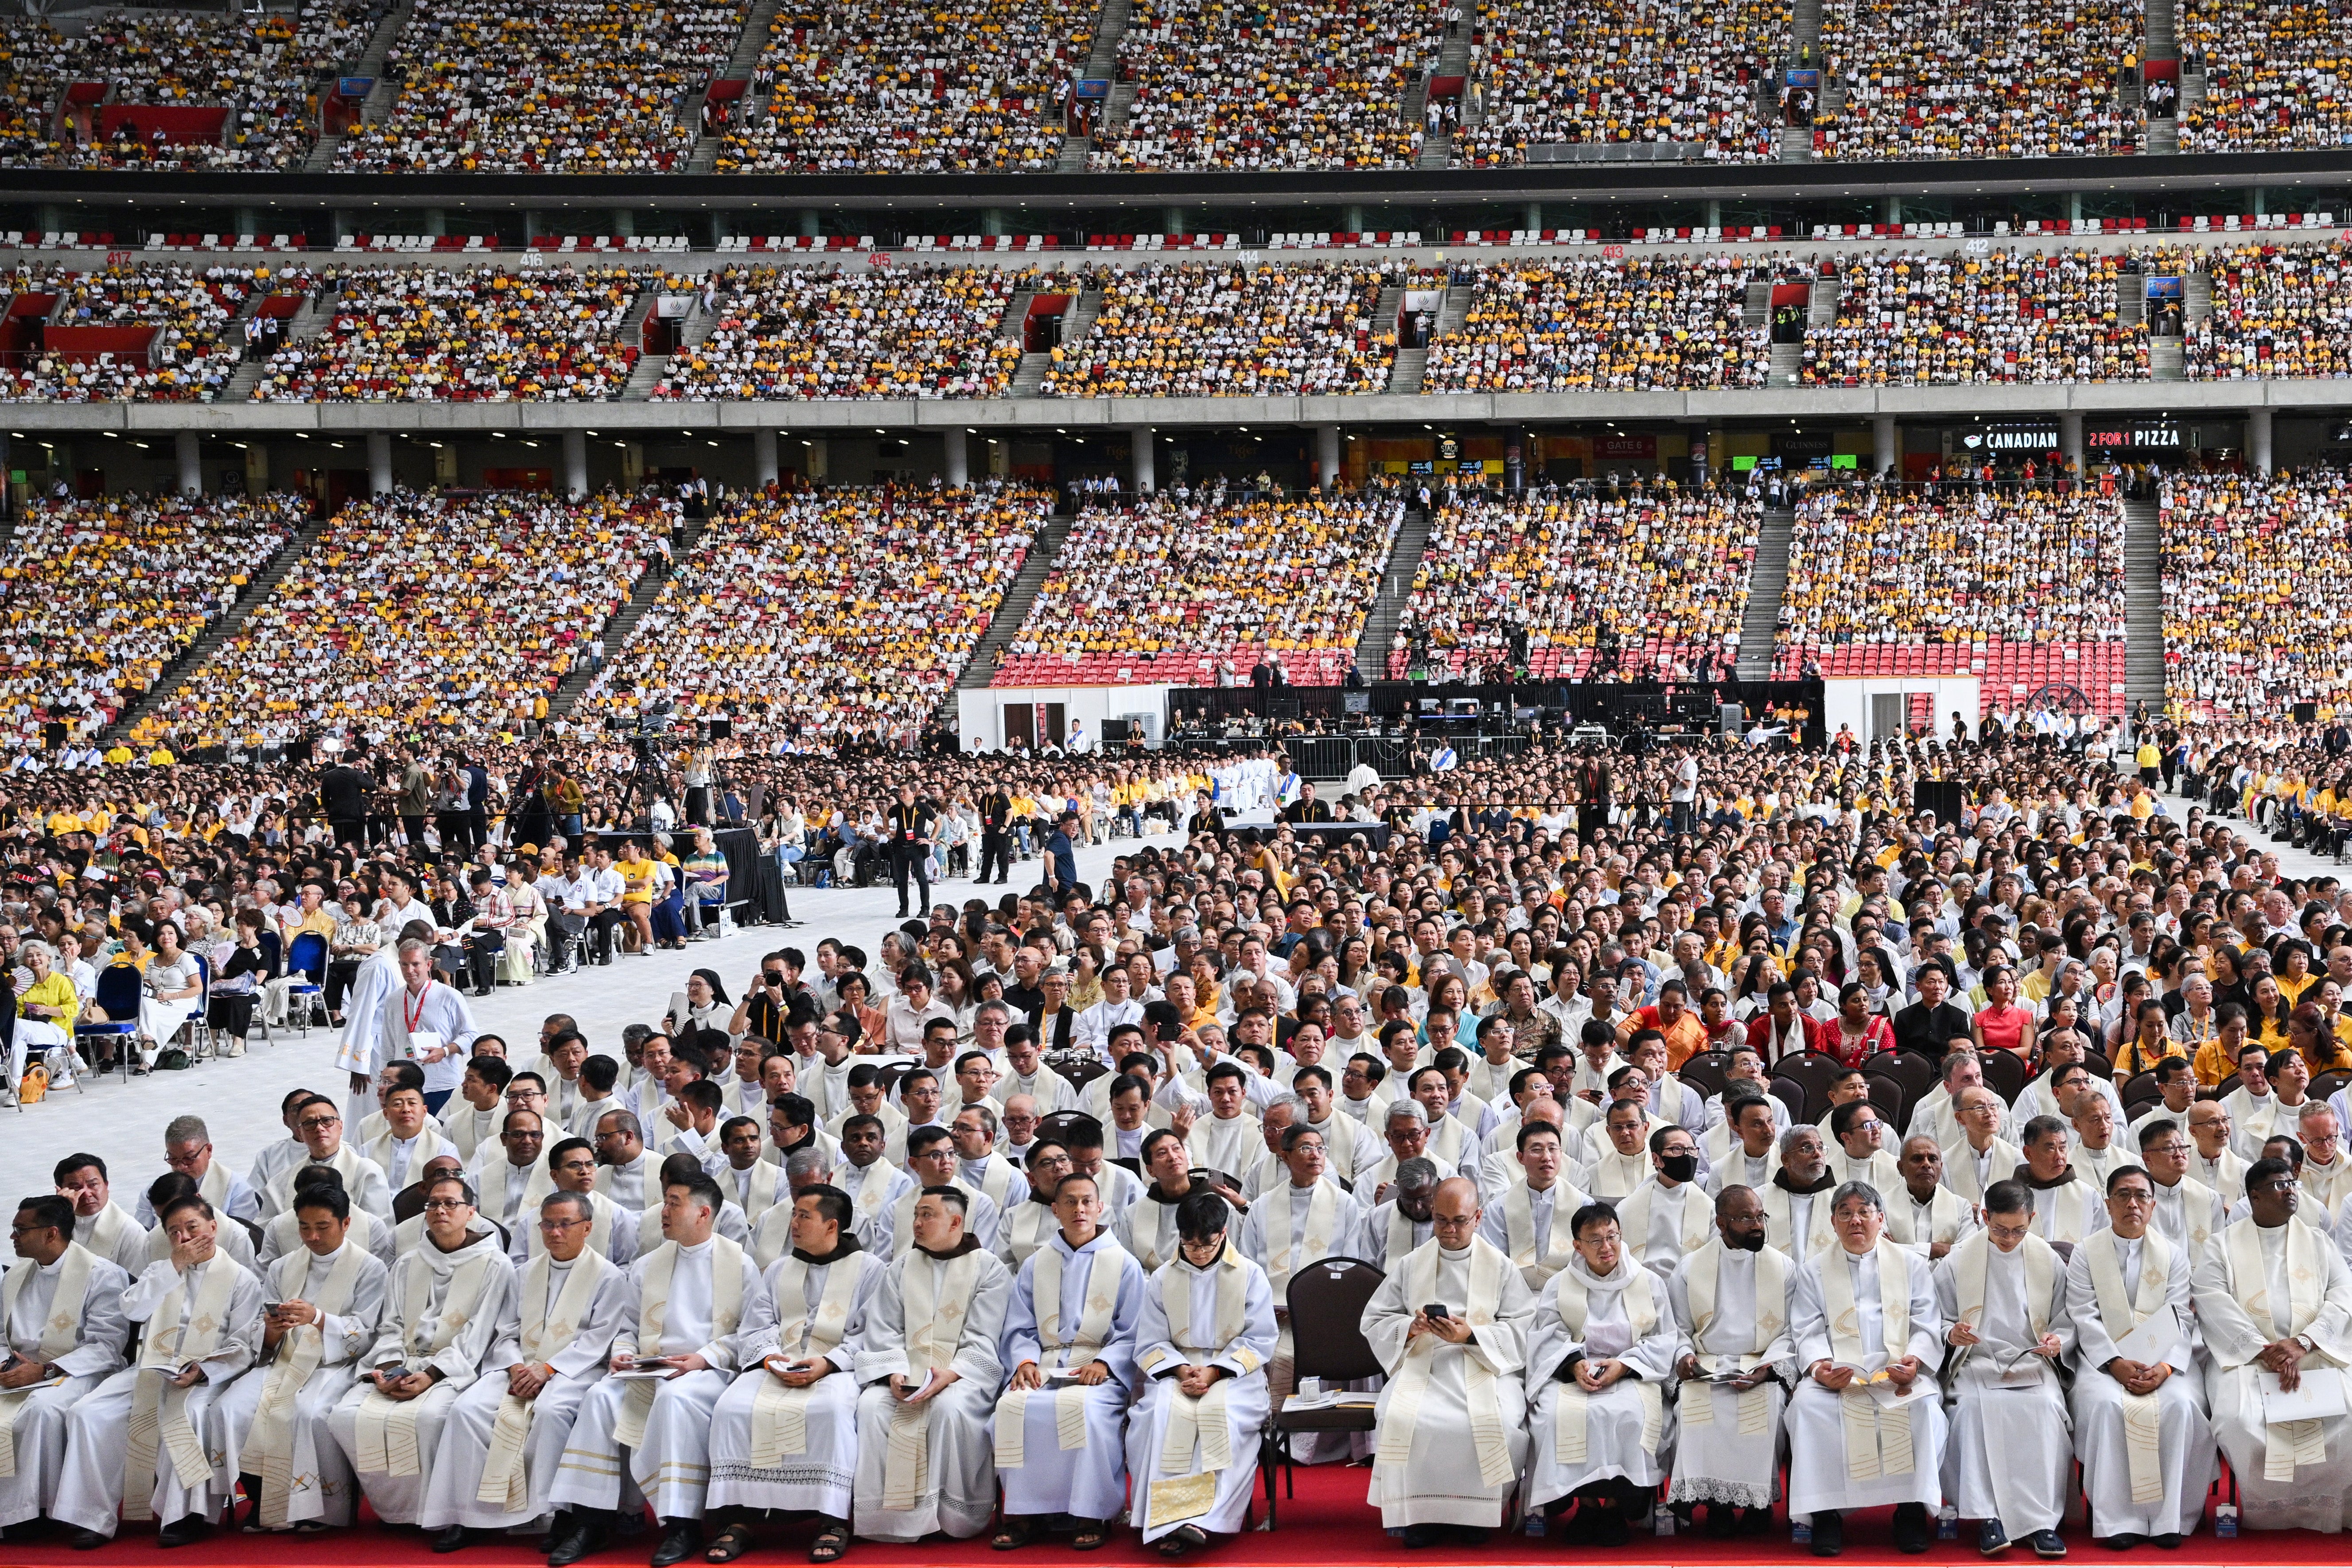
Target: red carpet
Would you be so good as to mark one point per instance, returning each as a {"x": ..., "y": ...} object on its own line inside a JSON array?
[{"x": 1327, "y": 1523}]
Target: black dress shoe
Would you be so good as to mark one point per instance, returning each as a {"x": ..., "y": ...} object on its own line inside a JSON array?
[
  {"x": 456, "y": 1538},
  {"x": 1421, "y": 1537},
  {"x": 185, "y": 1531},
  {"x": 1829, "y": 1533},
  {"x": 2168, "y": 1541},
  {"x": 2124, "y": 1541},
  {"x": 1472, "y": 1535},
  {"x": 584, "y": 1537},
  {"x": 1913, "y": 1533},
  {"x": 681, "y": 1538},
  {"x": 86, "y": 1539}
]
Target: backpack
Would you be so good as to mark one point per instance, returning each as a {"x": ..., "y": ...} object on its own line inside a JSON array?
[{"x": 34, "y": 1088}]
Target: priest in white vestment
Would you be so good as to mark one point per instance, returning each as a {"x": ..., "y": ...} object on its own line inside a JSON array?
[
  {"x": 1922, "y": 1213},
  {"x": 928, "y": 1360},
  {"x": 2007, "y": 1461},
  {"x": 2067, "y": 1205},
  {"x": 505, "y": 1434},
  {"x": 327, "y": 1299},
  {"x": 1070, "y": 1343},
  {"x": 783, "y": 1438},
  {"x": 1797, "y": 1199},
  {"x": 1206, "y": 1336},
  {"x": 1453, "y": 1414},
  {"x": 1601, "y": 1361},
  {"x": 1866, "y": 1422},
  {"x": 135, "y": 1443},
  {"x": 2188, "y": 1213},
  {"x": 2140, "y": 1429},
  {"x": 1289, "y": 1227},
  {"x": 1731, "y": 1301},
  {"x": 1529, "y": 1218},
  {"x": 1979, "y": 1156},
  {"x": 644, "y": 1440},
  {"x": 1670, "y": 1214},
  {"x": 448, "y": 1302},
  {"x": 2274, "y": 1301},
  {"x": 61, "y": 1313}
]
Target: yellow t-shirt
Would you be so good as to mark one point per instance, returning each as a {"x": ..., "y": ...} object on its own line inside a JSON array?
[{"x": 637, "y": 880}]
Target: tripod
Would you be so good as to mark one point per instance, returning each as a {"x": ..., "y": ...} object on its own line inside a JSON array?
[{"x": 648, "y": 778}]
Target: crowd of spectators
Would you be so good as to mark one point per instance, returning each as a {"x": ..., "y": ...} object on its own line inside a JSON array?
[
  {"x": 1917, "y": 319},
  {"x": 2250, "y": 621},
  {"x": 262, "y": 69},
  {"x": 1583, "y": 324},
  {"x": 1650, "y": 575},
  {"x": 445, "y": 615},
  {"x": 545, "y": 86},
  {"x": 852, "y": 611},
  {"x": 98, "y": 596},
  {"x": 871, "y": 87},
  {"x": 2280, "y": 310},
  {"x": 823, "y": 333},
  {"x": 191, "y": 355},
  {"x": 431, "y": 334},
  {"x": 2274, "y": 75},
  {"x": 1232, "y": 330},
  {"x": 1237, "y": 84},
  {"x": 1976, "y": 568},
  {"x": 1980, "y": 79},
  {"x": 1190, "y": 577},
  {"x": 1588, "y": 73}
]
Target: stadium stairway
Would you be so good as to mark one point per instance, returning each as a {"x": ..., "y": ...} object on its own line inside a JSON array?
[
  {"x": 179, "y": 670},
  {"x": 1768, "y": 575},
  {"x": 750, "y": 45},
  {"x": 624, "y": 623},
  {"x": 648, "y": 369},
  {"x": 1453, "y": 61},
  {"x": 1396, "y": 591},
  {"x": 2143, "y": 605},
  {"x": 1011, "y": 611}
]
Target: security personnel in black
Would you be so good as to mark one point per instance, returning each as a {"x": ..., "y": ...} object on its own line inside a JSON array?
[
  {"x": 910, "y": 821},
  {"x": 995, "y": 836}
]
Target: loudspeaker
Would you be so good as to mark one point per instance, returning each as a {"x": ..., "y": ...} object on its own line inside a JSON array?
[
  {"x": 1945, "y": 799},
  {"x": 1730, "y": 717}
]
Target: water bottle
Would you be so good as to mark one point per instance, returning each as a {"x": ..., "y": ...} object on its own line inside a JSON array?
[{"x": 1948, "y": 1523}]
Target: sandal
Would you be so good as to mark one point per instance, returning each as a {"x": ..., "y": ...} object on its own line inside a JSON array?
[
  {"x": 830, "y": 1543},
  {"x": 1092, "y": 1535},
  {"x": 1013, "y": 1535},
  {"x": 1184, "y": 1539},
  {"x": 731, "y": 1543}
]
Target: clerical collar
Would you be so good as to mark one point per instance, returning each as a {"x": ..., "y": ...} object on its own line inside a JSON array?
[
  {"x": 1780, "y": 1179},
  {"x": 844, "y": 1245},
  {"x": 969, "y": 1243}
]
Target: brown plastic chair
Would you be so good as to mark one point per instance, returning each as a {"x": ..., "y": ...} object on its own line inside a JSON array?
[{"x": 1327, "y": 1300}]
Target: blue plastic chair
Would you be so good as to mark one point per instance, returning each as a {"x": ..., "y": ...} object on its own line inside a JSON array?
[
  {"x": 308, "y": 958},
  {"x": 118, "y": 995}
]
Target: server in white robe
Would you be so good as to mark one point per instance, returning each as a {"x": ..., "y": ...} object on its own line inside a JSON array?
[
  {"x": 925, "y": 1462},
  {"x": 1529, "y": 1218},
  {"x": 1601, "y": 1361},
  {"x": 135, "y": 1443},
  {"x": 326, "y": 1298},
  {"x": 2007, "y": 1460},
  {"x": 505, "y": 1434},
  {"x": 2140, "y": 1429},
  {"x": 1206, "y": 1337},
  {"x": 783, "y": 1438},
  {"x": 2274, "y": 1301},
  {"x": 1070, "y": 1341},
  {"x": 1453, "y": 1416},
  {"x": 61, "y": 1311},
  {"x": 1731, "y": 1301},
  {"x": 1866, "y": 1421},
  {"x": 449, "y": 1302},
  {"x": 641, "y": 1440}
]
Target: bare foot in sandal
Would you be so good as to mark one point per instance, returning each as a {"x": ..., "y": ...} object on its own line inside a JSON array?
[
  {"x": 831, "y": 1543},
  {"x": 732, "y": 1543}
]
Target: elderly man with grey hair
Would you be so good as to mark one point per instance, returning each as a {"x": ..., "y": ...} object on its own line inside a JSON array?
[
  {"x": 1399, "y": 1222},
  {"x": 1866, "y": 1422},
  {"x": 188, "y": 1150},
  {"x": 1405, "y": 1127}
]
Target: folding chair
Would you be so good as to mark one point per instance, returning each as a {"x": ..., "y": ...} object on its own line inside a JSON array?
[{"x": 1330, "y": 1294}]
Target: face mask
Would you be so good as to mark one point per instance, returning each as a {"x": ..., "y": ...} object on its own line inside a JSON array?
[
  {"x": 1679, "y": 1168},
  {"x": 1751, "y": 1242}
]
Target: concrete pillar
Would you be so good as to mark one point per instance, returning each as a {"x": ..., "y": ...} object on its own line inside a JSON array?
[
  {"x": 624, "y": 221},
  {"x": 1892, "y": 208},
  {"x": 54, "y": 219},
  {"x": 2070, "y": 439},
  {"x": 191, "y": 467},
  {"x": 379, "y": 463},
  {"x": 1172, "y": 221},
  {"x": 346, "y": 222},
  {"x": 1140, "y": 451},
  {"x": 1885, "y": 444},
  {"x": 2258, "y": 440},
  {"x": 534, "y": 223},
  {"x": 958, "y": 463},
  {"x": 575, "y": 461},
  {"x": 1714, "y": 214},
  {"x": 818, "y": 454},
  {"x": 1352, "y": 217},
  {"x": 1327, "y": 454},
  {"x": 764, "y": 471},
  {"x": 1533, "y": 220}
]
